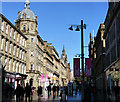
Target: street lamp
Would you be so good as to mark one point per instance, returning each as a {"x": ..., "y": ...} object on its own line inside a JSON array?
[{"x": 82, "y": 51}]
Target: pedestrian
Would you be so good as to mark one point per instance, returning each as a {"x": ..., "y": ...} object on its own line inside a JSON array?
[
  {"x": 28, "y": 92},
  {"x": 22, "y": 92},
  {"x": 54, "y": 90},
  {"x": 66, "y": 92},
  {"x": 57, "y": 90},
  {"x": 116, "y": 89},
  {"x": 18, "y": 93},
  {"x": 108, "y": 93},
  {"x": 72, "y": 89},
  {"x": 48, "y": 89},
  {"x": 61, "y": 92},
  {"x": 39, "y": 91}
]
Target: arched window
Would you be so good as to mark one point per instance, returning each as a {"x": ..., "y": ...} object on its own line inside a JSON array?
[
  {"x": 24, "y": 15},
  {"x": 31, "y": 67},
  {"x": 24, "y": 27}
]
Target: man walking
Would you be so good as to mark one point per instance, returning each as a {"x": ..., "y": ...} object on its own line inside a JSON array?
[
  {"x": 27, "y": 91},
  {"x": 18, "y": 93},
  {"x": 57, "y": 90}
]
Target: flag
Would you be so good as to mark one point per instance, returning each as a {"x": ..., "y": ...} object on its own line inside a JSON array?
[
  {"x": 76, "y": 67},
  {"x": 88, "y": 67}
]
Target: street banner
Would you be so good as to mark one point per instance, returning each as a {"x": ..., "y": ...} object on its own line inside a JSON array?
[
  {"x": 76, "y": 67},
  {"x": 46, "y": 78},
  {"x": 41, "y": 77},
  {"x": 88, "y": 67}
]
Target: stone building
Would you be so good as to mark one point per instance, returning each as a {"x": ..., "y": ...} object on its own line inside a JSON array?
[
  {"x": 69, "y": 72},
  {"x": 106, "y": 51},
  {"x": 30, "y": 55},
  {"x": 64, "y": 67},
  {"x": 112, "y": 50},
  {"x": 98, "y": 61},
  {"x": 27, "y": 23},
  {"x": 13, "y": 53}
]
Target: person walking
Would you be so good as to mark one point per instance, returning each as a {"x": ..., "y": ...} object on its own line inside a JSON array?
[
  {"x": 39, "y": 91},
  {"x": 18, "y": 93},
  {"x": 48, "y": 89},
  {"x": 22, "y": 92},
  {"x": 66, "y": 92},
  {"x": 61, "y": 92},
  {"x": 58, "y": 90},
  {"x": 116, "y": 89},
  {"x": 54, "y": 90},
  {"x": 28, "y": 92}
]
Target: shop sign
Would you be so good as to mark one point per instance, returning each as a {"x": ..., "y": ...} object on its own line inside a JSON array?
[
  {"x": 7, "y": 75},
  {"x": 18, "y": 77}
]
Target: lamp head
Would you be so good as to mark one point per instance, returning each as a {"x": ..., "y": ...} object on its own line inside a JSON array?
[
  {"x": 85, "y": 26},
  {"x": 77, "y": 29},
  {"x": 70, "y": 28}
]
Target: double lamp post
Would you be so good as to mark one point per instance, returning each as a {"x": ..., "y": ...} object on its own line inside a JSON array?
[{"x": 82, "y": 51}]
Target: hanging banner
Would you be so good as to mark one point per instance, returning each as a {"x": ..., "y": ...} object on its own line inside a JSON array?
[
  {"x": 76, "y": 67},
  {"x": 88, "y": 67},
  {"x": 41, "y": 77},
  {"x": 46, "y": 78}
]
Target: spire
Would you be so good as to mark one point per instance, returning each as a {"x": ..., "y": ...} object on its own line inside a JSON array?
[
  {"x": 27, "y": 4},
  {"x": 63, "y": 48},
  {"x": 63, "y": 51},
  {"x": 90, "y": 35}
]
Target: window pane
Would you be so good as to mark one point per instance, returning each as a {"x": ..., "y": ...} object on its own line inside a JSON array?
[{"x": 31, "y": 39}]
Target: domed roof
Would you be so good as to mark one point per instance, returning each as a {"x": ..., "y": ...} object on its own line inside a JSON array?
[{"x": 26, "y": 13}]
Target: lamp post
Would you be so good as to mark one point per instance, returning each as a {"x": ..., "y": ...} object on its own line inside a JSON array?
[{"x": 82, "y": 52}]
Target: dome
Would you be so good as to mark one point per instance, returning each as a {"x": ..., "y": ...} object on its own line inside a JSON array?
[{"x": 26, "y": 13}]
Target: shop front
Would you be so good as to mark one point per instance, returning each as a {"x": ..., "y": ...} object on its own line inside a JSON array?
[
  {"x": 13, "y": 79},
  {"x": 9, "y": 78},
  {"x": 113, "y": 76}
]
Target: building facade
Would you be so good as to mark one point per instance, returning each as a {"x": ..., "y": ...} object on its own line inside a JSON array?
[
  {"x": 13, "y": 53},
  {"x": 112, "y": 39},
  {"x": 105, "y": 51},
  {"x": 98, "y": 61},
  {"x": 24, "y": 52},
  {"x": 27, "y": 23}
]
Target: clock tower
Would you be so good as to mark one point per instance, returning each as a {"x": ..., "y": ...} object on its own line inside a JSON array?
[{"x": 27, "y": 23}]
